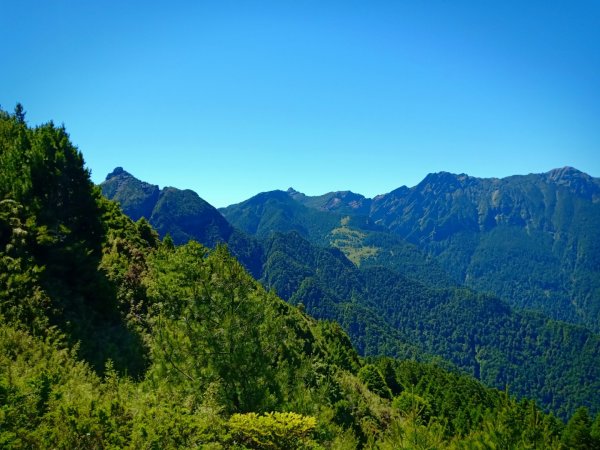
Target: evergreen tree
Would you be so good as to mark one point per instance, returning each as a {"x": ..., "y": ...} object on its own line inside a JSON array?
[
  {"x": 20, "y": 113},
  {"x": 576, "y": 434},
  {"x": 373, "y": 379}
]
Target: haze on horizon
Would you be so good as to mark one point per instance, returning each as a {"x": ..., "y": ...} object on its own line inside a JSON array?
[{"x": 230, "y": 99}]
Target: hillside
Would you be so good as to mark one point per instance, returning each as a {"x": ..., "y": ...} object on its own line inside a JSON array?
[
  {"x": 277, "y": 211},
  {"x": 111, "y": 338},
  {"x": 531, "y": 239},
  {"x": 362, "y": 241},
  {"x": 383, "y": 311},
  {"x": 182, "y": 214}
]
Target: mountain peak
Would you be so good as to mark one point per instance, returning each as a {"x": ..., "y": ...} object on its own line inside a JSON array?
[
  {"x": 181, "y": 213},
  {"x": 442, "y": 177},
  {"x": 564, "y": 173},
  {"x": 119, "y": 171},
  {"x": 575, "y": 180},
  {"x": 444, "y": 181},
  {"x": 293, "y": 193},
  {"x": 137, "y": 198}
]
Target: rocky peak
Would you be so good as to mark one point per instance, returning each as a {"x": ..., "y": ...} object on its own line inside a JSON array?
[
  {"x": 119, "y": 171},
  {"x": 565, "y": 173},
  {"x": 579, "y": 182},
  {"x": 293, "y": 193},
  {"x": 439, "y": 182}
]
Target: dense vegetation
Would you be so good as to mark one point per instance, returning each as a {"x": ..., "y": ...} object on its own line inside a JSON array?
[
  {"x": 110, "y": 338},
  {"x": 276, "y": 211},
  {"x": 181, "y": 214},
  {"x": 385, "y": 313},
  {"x": 532, "y": 240}
]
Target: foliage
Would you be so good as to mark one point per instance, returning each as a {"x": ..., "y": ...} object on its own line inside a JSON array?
[
  {"x": 211, "y": 324},
  {"x": 393, "y": 304},
  {"x": 273, "y": 430},
  {"x": 52, "y": 238},
  {"x": 532, "y": 240},
  {"x": 372, "y": 378},
  {"x": 413, "y": 406},
  {"x": 577, "y": 433}
]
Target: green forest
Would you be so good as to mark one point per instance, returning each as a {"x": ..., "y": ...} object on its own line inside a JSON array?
[
  {"x": 532, "y": 240},
  {"x": 111, "y": 337}
]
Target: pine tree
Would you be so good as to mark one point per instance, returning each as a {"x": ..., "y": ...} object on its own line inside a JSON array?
[{"x": 20, "y": 113}]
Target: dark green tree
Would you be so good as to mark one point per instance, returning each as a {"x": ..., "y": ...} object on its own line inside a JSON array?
[
  {"x": 577, "y": 433},
  {"x": 373, "y": 379},
  {"x": 389, "y": 375},
  {"x": 20, "y": 113},
  {"x": 211, "y": 326}
]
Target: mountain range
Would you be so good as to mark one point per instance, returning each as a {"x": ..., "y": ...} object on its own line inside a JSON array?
[
  {"x": 485, "y": 274},
  {"x": 533, "y": 240}
]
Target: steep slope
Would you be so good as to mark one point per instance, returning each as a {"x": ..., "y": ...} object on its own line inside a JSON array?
[
  {"x": 362, "y": 241},
  {"x": 182, "y": 214},
  {"x": 52, "y": 241},
  {"x": 277, "y": 211},
  {"x": 367, "y": 245},
  {"x": 137, "y": 198},
  {"x": 386, "y": 313},
  {"x": 531, "y": 239},
  {"x": 380, "y": 300}
]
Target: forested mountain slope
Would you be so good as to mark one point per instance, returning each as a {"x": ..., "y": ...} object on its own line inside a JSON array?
[
  {"x": 556, "y": 363},
  {"x": 533, "y": 239},
  {"x": 190, "y": 217},
  {"x": 181, "y": 348},
  {"x": 277, "y": 211},
  {"x": 359, "y": 238},
  {"x": 181, "y": 214}
]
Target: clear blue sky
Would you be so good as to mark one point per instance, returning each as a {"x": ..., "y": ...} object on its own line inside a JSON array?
[{"x": 234, "y": 98}]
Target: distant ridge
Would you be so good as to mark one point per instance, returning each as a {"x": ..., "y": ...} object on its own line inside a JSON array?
[
  {"x": 533, "y": 239},
  {"x": 181, "y": 213}
]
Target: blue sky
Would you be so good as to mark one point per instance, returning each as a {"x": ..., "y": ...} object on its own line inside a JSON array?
[{"x": 234, "y": 98}]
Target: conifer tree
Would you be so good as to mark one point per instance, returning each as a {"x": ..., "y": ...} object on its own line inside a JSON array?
[
  {"x": 20, "y": 113},
  {"x": 576, "y": 434}
]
